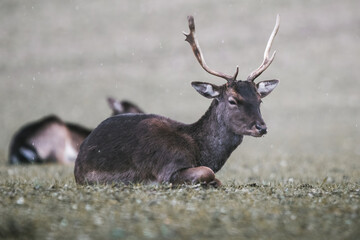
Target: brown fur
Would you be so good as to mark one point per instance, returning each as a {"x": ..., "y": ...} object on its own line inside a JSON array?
[
  {"x": 147, "y": 148},
  {"x": 52, "y": 140},
  {"x": 150, "y": 148},
  {"x": 54, "y": 134}
]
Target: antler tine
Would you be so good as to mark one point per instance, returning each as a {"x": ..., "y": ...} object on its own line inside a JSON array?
[
  {"x": 191, "y": 39},
  {"x": 267, "y": 61}
]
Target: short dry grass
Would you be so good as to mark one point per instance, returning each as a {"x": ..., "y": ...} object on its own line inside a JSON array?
[
  {"x": 301, "y": 181},
  {"x": 51, "y": 206}
]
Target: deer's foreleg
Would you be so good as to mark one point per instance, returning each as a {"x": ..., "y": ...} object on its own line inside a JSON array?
[{"x": 203, "y": 175}]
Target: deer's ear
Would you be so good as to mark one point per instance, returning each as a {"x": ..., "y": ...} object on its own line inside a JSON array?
[
  {"x": 266, "y": 87},
  {"x": 115, "y": 105},
  {"x": 206, "y": 89}
]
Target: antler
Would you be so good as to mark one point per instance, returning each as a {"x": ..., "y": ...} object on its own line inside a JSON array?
[
  {"x": 267, "y": 61},
  {"x": 191, "y": 39}
]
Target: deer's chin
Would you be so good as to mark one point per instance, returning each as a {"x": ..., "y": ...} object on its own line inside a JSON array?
[{"x": 253, "y": 133}]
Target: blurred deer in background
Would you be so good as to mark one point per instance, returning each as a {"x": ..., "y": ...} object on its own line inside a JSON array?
[
  {"x": 150, "y": 148},
  {"x": 121, "y": 107},
  {"x": 52, "y": 140}
]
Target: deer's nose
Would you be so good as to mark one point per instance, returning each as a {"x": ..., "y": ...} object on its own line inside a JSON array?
[{"x": 261, "y": 128}]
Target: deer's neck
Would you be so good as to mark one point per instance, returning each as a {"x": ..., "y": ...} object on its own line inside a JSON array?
[{"x": 216, "y": 142}]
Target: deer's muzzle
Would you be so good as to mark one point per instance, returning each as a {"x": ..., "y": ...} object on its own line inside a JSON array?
[{"x": 262, "y": 129}]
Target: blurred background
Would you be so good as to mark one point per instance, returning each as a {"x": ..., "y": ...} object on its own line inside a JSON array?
[{"x": 66, "y": 57}]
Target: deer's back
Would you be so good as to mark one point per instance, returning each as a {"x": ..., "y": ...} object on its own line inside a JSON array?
[{"x": 135, "y": 148}]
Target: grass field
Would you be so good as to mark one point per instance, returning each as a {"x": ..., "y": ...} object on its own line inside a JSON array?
[
  {"x": 301, "y": 181},
  {"x": 46, "y": 204}
]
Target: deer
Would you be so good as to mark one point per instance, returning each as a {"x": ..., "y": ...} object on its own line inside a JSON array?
[
  {"x": 51, "y": 140},
  {"x": 122, "y": 107},
  {"x": 152, "y": 149}
]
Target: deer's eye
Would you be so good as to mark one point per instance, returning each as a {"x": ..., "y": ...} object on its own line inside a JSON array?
[{"x": 232, "y": 101}]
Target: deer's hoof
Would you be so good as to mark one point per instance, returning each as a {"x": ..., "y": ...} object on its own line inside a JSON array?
[{"x": 214, "y": 183}]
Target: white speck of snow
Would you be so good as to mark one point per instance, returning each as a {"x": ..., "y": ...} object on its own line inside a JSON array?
[
  {"x": 20, "y": 201},
  {"x": 88, "y": 207}
]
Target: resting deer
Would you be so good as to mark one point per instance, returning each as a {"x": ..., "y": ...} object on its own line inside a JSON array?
[
  {"x": 149, "y": 148},
  {"x": 52, "y": 140}
]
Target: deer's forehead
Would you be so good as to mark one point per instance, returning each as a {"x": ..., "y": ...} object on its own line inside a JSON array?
[{"x": 244, "y": 90}]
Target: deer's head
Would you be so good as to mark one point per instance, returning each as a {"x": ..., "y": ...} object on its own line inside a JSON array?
[{"x": 238, "y": 101}]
